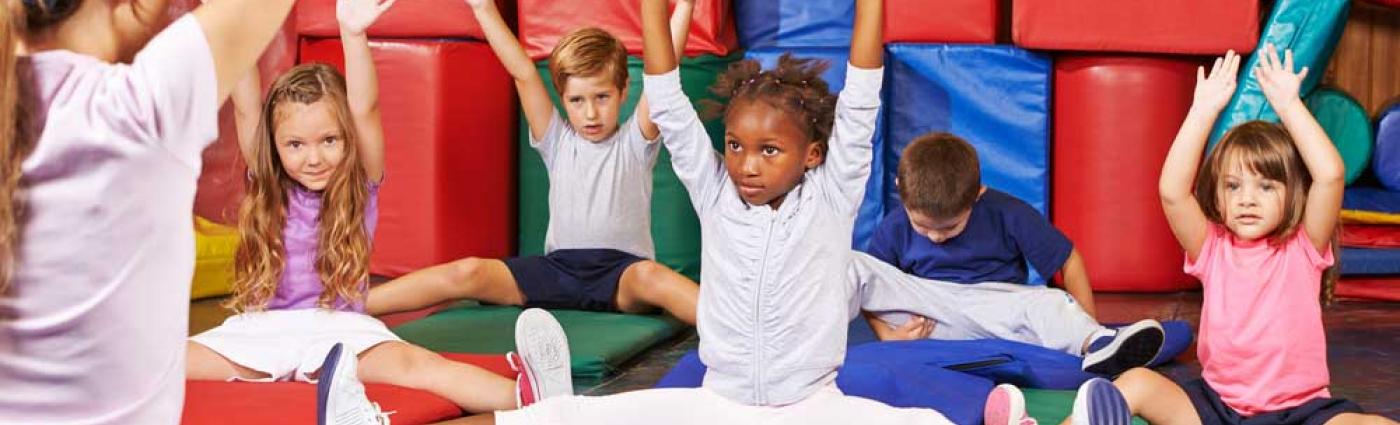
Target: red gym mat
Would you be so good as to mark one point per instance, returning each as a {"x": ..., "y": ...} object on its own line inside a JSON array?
[
  {"x": 1115, "y": 118},
  {"x": 1380, "y": 288},
  {"x": 407, "y": 19},
  {"x": 215, "y": 402},
  {"x": 951, "y": 21},
  {"x": 544, "y": 22},
  {"x": 1176, "y": 26},
  {"x": 449, "y": 127},
  {"x": 1371, "y": 236}
]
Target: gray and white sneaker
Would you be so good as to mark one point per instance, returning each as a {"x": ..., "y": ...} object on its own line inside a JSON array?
[
  {"x": 340, "y": 396},
  {"x": 541, "y": 358}
]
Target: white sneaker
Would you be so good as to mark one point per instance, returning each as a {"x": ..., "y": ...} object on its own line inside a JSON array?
[
  {"x": 541, "y": 358},
  {"x": 340, "y": 396}
]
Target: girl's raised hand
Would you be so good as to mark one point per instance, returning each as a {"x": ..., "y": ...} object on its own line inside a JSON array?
[
  {"x": 1276, "y": 78},
  {"x": 355, "y": 16},
  {"x": 1214, "y": 90}
]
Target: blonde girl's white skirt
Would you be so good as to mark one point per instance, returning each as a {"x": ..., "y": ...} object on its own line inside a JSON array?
[{"x": 288, "y": 345}]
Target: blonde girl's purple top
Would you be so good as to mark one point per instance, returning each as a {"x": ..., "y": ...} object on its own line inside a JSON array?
[{"x": 300, "y": 285}]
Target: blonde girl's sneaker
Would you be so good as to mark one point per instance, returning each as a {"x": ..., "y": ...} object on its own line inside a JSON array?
[
  {"x": 541, "y": 358},
  {"x": 340, "y": 396}
]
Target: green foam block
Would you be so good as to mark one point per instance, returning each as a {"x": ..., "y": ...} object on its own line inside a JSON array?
[
  {"x": 599, "y": 343},
  {"x": 674, "y": 226},
  {"x": 1346, "y": 123}
]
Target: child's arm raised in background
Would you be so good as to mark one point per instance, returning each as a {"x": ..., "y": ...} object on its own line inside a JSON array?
[
  {"x": 1075, "y": 278},
  {"x": 361, "y": 80},
  {"x": 247, "y": 111},
  {"x": 237, "y": 32},
  {"x": 1280, "y": 87},
  {"x": 1179, "y": 201},
  {"x": 696, "y": 163},
  {"x": 850, "y": 148},
  {"x": 534, "y": 97},
  {"x": 680, "y": 31}
]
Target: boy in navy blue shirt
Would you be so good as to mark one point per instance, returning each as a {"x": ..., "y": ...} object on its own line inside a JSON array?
[{"x": 966, "y": 247}]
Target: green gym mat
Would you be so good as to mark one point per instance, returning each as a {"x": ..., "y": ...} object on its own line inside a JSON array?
[
  {"x": 1050, "y": 407},
  {"x": 1346, "y": 123},
  {"x": 674, "y": 227},
  {"x": 599, "y": 343}
]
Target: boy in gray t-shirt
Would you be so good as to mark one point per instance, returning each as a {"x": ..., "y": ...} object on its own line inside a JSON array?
[{"x": 599, "y": 252}]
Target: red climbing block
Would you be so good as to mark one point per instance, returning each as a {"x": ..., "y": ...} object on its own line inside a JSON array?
[
  {"x": 1115, "y": 118},
  {"x": 448, "y": 109},
  {"x": 1178, "y": 26}
]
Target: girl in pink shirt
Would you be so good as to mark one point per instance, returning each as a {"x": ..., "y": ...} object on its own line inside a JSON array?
[
  {"x": 315, "y": 160},
  {"x": 1260, "y": 244}
]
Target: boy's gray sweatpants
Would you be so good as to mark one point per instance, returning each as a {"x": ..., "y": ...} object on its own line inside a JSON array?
[{"x": 1031, "y": 314}]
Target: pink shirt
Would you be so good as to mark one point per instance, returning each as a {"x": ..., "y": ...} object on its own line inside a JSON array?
[
  {"x": 93, "y": 330},
  {"x": 1262, "y": 346}
]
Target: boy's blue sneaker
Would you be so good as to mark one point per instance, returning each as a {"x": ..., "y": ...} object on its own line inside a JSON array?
[{"x": 1132, "y": 346}]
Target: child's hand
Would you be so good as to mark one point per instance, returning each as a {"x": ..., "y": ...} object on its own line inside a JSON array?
[
  {"x": 1214, "y": 91},
  {"x": 918, "y": 327},
  {"x": 1276, "y": 79},
  {"x": 356, "y": 16}
]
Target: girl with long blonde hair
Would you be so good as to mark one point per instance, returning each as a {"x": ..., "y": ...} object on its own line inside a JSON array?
[{"x": 315, "y": 155}]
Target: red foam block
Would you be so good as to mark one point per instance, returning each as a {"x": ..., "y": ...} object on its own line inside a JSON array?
[
  {"x": 945, "y": 21},
  {"x": 1371, "y": 236},
  {"x": 1177, "y": 26},
  {"x": 1379, "y": 288},
  {"x": 1115, "y": 118},
  {"x": 217, "y": 402},
  {"x": 222, "y": 178},
  {"x": 407, "y": 19},
  {"x": 448, "y": 110},
  {"x": 544, "y": 22}
]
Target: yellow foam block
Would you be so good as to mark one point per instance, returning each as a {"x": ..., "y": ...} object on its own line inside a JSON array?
[
  {"x": 215, "y": 245},
  {"x": 1369, "y": 217}
]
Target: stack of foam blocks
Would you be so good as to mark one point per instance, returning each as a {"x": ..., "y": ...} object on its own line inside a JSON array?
[
  {"x": 448, "y": 108},
  {"x": 943, "y": 73}
]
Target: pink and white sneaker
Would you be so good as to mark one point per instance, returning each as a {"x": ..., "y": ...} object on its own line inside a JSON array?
[
  {"x": 541, "y": 358},
  {"x": 1006, "y": 406}
]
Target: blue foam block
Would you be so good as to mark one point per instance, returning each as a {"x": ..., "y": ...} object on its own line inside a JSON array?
[
  {"x": 1370, "y": 261},
  {"x": 1386, "y": 162},
  {"x": 901, "y": 382},
  {"x": 995, "y": 97},
  {"x": 872, "y": 208},
  {"x": 1371, "y": 199},
  {"x": 794, "y": 23}
]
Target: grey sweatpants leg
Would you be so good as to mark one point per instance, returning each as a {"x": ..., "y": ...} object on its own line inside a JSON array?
[{"x": 1031, "y": 314}]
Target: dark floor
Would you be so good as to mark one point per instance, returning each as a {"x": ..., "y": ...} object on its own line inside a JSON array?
[{"x": 1363, "y": 341}]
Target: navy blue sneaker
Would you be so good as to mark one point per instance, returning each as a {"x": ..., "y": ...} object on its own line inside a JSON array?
[
  {"x": 1132, "y": 346},
  {"x": 1100, "y": 403}
]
